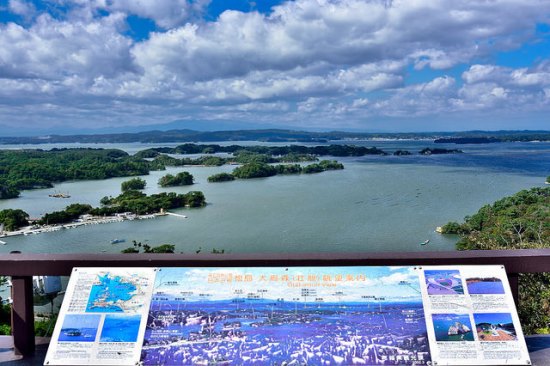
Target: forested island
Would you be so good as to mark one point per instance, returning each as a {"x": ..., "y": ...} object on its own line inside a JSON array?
[
  {"x": 180, "y": 179},
  {"x": 129, "y": 201},
  {"x": 33, "y": 169},
  {"x": 520, "y": 221},
  {"x": 260, "y": 170}
]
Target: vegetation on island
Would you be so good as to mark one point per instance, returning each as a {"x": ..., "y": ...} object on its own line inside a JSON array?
[
  {"x": 180, "y": 179},
  {"x": 13, "y": 219},
  {"x": 401, "y": 153},
  {"x": 520, "y": 221},
  {"x": 31, "y": 169},
  {"x": 221, "y": 177},
  {"x": 133, "y": 184},
  {"x": 430, "y": 151},
  {"x": 132, "y": 201},
  {"x": 287, "y": 152},
  {"x": 139, "y": 203},
  {"x": 261, "y": 170},
  {"x": 69, "y": 214},
  {"x": 548, "y": 180},
  {"x": 139, "y": 246}
]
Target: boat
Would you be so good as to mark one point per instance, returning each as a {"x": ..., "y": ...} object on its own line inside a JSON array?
[
  {"x": 116, "y": 241},
  {"x": 60, "y": 195},
  {"x": 425, "y": 242},
  {"x": 3, "y": 242},
  {"x": 72, "y": 332}
]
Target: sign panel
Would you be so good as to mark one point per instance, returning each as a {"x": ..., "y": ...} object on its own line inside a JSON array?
[
  {"x": 461, "y": 315},
  {"x": 102, "y": 318}
]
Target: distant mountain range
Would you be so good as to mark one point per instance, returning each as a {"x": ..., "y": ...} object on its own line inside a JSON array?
[{"x": 279, "y": 135}]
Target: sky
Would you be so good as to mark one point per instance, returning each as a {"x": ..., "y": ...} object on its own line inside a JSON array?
[{"x": 70, "y": 66}]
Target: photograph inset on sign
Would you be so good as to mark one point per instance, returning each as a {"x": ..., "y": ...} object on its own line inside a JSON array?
[
  {"x": 120, "y": 328},
  {"x": 444, "y": 282},
  {"x": 484, "y": 286},
  {"x": 79, "y": 328},
  {"x": 315, "y": 315},
  {"x": 495, "y": 327},
  {"x": 452, "y": 327}
]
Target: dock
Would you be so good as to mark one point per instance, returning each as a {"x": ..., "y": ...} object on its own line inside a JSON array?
[{"x": 175, "y": 214}]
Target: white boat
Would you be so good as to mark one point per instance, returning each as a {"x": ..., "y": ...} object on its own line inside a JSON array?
[
  {"x": 3, "y": 242},
  {"x": 425, "y": 242}
]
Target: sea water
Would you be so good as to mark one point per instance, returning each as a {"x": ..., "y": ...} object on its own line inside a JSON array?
[{"x": 377, "y": 203}]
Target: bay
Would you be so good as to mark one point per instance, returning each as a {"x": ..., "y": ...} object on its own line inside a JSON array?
[{"x": 377, "y": 203}]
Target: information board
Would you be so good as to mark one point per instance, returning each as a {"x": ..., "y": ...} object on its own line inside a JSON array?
[{"x": 459, "y": 315}]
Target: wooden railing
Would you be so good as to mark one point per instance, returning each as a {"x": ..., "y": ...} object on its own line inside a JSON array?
[{"x": 21, "y": 268}]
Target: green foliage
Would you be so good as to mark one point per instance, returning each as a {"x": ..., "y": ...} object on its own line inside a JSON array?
[
  {"x": 247, "y": 157},
  {"x": 453, "y": 227},
  {"x": 13, "y": 219},
  {"x": 180, "y": 179},
  {"x": 5, "y": 329},
  {"x": 134, "y": 183},
  {"x": 221, "y": 177},
  {"x": 139, "y": 203},
  {"x": 402, "y": 153},
  {"x": 5, "y": 319},
  {"x": 248, "y": 154},
  {"x": 548, "y": 180},
  {"x": 430, "y": 151},
  {"x": 516, "y": 222},
  {"x": 138, "y": 246},
  {"x": 7, "y": 190},
  {"x": 45, "y": 326},
  {"x": 254, "y": 170},
  {"x": 29, "y": 169},
  {"x": 165, "y": 160},
  {"x": 288, "y": 169},
  {"x": 210, "y": 161},
  {"x": 296, "y": 158},
  {"x": 322, "y": 166},
  {"x": 71, "y": 213}
]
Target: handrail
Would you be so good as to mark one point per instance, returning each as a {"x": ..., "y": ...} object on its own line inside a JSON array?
[
  {"x": 21, "y": 267},
  {"x": 515, "y": 261}
]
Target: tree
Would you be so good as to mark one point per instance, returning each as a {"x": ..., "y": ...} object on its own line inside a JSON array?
[
  {"x": 517, "y": 222},
  {"x": 13, "y": 219},
  {"x": 254, "y": 170},
  {"x": 221, "y": 177},
  {"x": 180, "y": 179},
  {"x": 133, "y": 184}
]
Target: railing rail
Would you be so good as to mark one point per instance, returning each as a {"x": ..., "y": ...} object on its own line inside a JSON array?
[{"x": 21, "y": 267}]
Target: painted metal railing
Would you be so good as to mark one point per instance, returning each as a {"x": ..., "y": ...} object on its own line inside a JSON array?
[{"x": 21, "y": 268}]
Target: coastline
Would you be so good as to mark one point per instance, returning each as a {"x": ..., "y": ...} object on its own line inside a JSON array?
[{"x": 94, "y": 220}]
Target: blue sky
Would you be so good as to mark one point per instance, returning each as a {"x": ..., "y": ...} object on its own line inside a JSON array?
[{"x": 89, "y": 66}]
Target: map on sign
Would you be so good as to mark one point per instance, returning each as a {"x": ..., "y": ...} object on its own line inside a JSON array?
[{"x": 115, "y": 293}]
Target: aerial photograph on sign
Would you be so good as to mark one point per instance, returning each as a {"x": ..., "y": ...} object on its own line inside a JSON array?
[
  {"x": 120, "y": 328},
  {"x": 79, "y": 328},
  {"x": 452, "y": 327},
  {"x": 114, "y": 293},
  {"x": 314, "y": 315},
  {"x": 494, "y": 327},
  {"x": 444, "y": 282},
  {"x": 487, "y": 286}
]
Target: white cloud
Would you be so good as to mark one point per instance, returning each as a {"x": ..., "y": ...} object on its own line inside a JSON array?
[
  {"x": 23, "y": 8},
  {"x": 308, "y": 61}
]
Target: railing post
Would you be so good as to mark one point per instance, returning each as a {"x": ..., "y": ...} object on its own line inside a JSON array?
[
  {"x": 513, "y": 279},
  {"x": 22, "y": 315}
]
